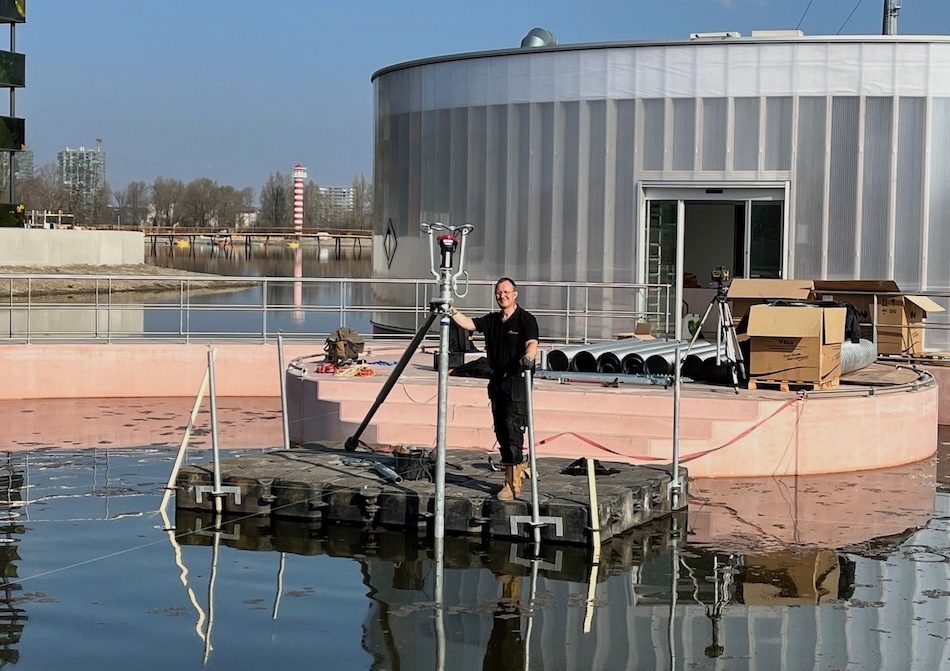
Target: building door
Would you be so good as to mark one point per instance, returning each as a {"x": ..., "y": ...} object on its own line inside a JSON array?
[
  {"x": 742, "y": 227},
  {"x": 765, "y": 235}
]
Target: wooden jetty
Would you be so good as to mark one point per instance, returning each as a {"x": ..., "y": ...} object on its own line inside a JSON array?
[
  {"x": 337, "y": 239},
  {"x": 323, "y": 483}
]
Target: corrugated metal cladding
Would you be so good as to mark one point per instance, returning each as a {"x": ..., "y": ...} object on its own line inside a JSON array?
[{"x": 543, "y": 152}]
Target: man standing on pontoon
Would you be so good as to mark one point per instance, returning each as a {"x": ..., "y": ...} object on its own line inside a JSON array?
[{"x": 511, "y": 342}]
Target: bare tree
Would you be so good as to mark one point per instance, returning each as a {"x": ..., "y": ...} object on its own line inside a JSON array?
[
  {"x": 229, "y": 204},
  {"x": 97, "y": 210},
  {"x": 276, "y": 196},
  {"x": 199, "y": 201},
  {"x": 44, "y": 190},
  {"x": 247, "y": 198},
  {"x": 313, "y": 205},
  {"x": 134, "y": 200},
  {"x": 361, "y": 214},
  {"x": 166, "y": 195}
]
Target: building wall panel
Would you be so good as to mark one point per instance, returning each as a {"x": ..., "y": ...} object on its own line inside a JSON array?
[{"x": 543, "y": 151}]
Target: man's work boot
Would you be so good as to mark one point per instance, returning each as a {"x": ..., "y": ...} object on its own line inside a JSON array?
[
  {"x": 517, "y": 477},
  {"x": 507, "y": 493}
]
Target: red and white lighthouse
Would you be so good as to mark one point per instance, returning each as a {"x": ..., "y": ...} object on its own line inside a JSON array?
[{"x": 300, "y": 174}]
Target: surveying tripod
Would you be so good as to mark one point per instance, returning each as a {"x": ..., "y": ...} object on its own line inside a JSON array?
[
  {"x": 451, "y": 239},
  {"x": 727, "y": 342}
]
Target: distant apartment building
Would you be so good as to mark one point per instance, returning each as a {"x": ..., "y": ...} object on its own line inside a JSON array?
[
  {"x": 337, "y": 198},
  {"x": 84, "y": 172}
]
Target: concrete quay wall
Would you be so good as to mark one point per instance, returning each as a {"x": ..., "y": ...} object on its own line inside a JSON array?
[
  {"x": 58, "y": 247},
  {"x": 141, "y": 370}
]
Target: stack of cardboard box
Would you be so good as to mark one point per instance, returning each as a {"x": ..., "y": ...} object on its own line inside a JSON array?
[{"x": 899, "y": 318}]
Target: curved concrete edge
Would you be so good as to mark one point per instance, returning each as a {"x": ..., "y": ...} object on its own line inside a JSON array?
[
  {"x": 816, "y": 434},
  {"x": 826, "y": 433},
  {"x": 942, "y": 376},
  {"x": 833, "y": 434}
]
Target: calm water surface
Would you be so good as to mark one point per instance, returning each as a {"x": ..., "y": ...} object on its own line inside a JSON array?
[
  {"x": 93, "y": 577},
  {"x": 274, "y": 260}
]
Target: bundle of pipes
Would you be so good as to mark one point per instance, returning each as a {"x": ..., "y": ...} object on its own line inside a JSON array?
[
  {"x": 584, "y": 357},
  {"x": 632, "y": 363},
  {"x": 612, "y": 361},
  {"x": 693, "y": 363},
  {"x": 662, "y": 363}
]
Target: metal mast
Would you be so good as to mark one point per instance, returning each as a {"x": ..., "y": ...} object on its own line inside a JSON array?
[{"x": 891, "y": 9}]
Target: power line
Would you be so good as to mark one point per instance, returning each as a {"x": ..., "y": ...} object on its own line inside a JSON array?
[
  {"x": 849, "y": 17},
  {"x": 803, "y": 14}
]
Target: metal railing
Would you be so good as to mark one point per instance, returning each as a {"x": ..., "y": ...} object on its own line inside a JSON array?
[{"x": 49, "y": 307}]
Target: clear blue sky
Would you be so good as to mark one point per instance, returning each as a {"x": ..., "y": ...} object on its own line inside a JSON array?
[{"x": 235, "y": 90}]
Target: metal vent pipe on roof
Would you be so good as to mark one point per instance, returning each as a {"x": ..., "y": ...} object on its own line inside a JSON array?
[{"x": 538, "y": 37}]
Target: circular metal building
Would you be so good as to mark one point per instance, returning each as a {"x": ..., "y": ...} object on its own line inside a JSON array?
[{"x": 776, "y": 155}]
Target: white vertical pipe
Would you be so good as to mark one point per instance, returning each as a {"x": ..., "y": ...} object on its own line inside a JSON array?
[
  {"x": 443, "y": 395},
  {"x": 532, "y": 459},
  {"x": 283, "y": 390},
  {"x": 216, "y": 494},
  {"x": 676, "y": 484},
  {"x": 680, "y": 245},
  {"x": 183, "y": 447}
]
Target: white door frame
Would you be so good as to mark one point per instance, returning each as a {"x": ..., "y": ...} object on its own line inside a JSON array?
[{"x": 682, "y": 192}]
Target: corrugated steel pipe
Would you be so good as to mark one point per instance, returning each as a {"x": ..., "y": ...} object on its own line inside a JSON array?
[
  {"x": 716, "y": 373},
  {"x": 857, "y": 355},
  {"x": 611, "y": 361},
  {"x": 585, "y": 361},
  {"x": 632, "y": 363},
  {"x": 560, "y": 359},
  {"x": 662, "y": 363},
  {"x": 693, "y": 363}
]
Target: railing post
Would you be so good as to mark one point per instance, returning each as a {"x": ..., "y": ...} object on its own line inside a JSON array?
[
  {"x": 342, "y": 302},
  {"x": 264, "y": 310},
  {"x": 29, "y": 308},
  {"x": 567, "y": 314}
]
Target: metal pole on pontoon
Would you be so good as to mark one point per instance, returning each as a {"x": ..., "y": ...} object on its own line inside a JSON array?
[
  {"x": 283, "y": 390},
  {"x": 676, "y": 484}
]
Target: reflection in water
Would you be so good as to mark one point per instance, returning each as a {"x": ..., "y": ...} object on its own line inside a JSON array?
[
  {"x": 298, "y": 287},
  {"x": 496, "y": 612},
  {"x": 12, "y": 617},
  {"x": 366, "y": 598},
  {"x": 791, "y": 609},
  {"x": 273, "y": 260},
  {"x": 291, "y": 305}
]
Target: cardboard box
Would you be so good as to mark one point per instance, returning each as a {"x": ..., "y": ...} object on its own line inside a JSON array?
[
  {"x": 900, "y": 324},
  {"x": 642, "y": 331},
  {"x": 855, "y": 292},
  {"x": 745, "y": 292},
  {"x": 795, "y": 344}
]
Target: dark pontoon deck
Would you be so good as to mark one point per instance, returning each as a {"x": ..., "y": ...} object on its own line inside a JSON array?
[{"x": 321, "y": 482}]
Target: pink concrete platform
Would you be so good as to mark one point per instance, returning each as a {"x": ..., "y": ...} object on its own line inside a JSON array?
[
  {"x": 722, "y": 434},
  {"x": 754, "y": 433}
]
